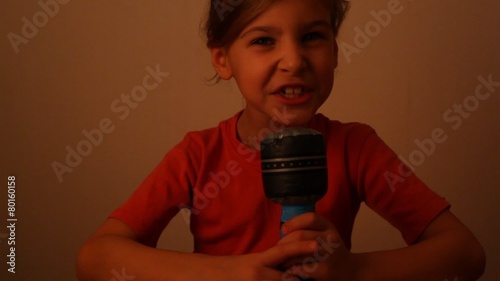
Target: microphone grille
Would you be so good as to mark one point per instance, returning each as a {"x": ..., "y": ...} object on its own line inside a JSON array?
[{"x": 294, "y": 164}]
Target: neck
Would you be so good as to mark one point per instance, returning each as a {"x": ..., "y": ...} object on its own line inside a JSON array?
[{"x": 252, "y": 129}]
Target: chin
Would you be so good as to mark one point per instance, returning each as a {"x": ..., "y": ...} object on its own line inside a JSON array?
[
  {"x": 293, "y": 116},
  {"x": 301, "y": 121}
]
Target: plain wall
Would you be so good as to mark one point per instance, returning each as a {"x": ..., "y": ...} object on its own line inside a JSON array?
[{"x": 66, "y": 77}]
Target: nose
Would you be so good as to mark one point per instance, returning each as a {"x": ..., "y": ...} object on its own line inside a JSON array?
[{"x": 292, "y": 58}]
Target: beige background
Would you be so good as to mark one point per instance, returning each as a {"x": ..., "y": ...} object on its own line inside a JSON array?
[{"x": 65, "y": 78}]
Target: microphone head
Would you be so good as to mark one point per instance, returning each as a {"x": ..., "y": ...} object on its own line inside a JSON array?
[{"x": 294, "y": 169}]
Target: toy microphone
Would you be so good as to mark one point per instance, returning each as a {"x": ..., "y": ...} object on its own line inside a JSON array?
[{"x": 294, "y": 171}]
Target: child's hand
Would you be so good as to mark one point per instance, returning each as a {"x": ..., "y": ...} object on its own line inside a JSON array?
[
  {"x": 258, "y": 266},
  {"x": 331, "y": 261}
]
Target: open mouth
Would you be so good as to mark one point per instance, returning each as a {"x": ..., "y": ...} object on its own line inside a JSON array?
[{"x": 292, "y": 92}]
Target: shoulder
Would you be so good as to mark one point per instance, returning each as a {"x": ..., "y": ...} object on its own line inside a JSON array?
[
  {"x": 199, "y": 141},
  {"x": 209, "y": 134},
  {"x": 195, "y": 149}
]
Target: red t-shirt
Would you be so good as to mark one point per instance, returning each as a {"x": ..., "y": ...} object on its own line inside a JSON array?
[{"x": 219, "y": 178}]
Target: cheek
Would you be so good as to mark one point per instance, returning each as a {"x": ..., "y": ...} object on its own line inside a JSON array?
[
  {"x": 325, "y": 65},
  {"x": 253, "y": 73},
  {"x": 325, "y": 76}
]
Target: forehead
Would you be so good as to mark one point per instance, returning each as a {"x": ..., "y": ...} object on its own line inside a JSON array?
[{"x": 293, "y": 12}]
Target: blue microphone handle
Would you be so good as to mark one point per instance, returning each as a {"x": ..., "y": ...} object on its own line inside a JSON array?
[{"x": 290, "y": 211}]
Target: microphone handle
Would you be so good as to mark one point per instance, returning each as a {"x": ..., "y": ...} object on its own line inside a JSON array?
[{"x": 290, "y": 211}]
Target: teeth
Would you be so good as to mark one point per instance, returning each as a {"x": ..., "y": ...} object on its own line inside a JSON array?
[{"x": 292, "y": 92}]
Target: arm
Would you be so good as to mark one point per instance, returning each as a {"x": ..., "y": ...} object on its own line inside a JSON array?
[
  {"x": 446, "y": 250},
  {"x": 114, "y": 249}
]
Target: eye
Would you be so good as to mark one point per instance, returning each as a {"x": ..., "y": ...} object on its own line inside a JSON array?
[
  {"x": 264, "y": 41},
  {"x": 312, "y": 36}
]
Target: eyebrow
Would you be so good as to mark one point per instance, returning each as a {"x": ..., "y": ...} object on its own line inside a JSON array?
[
  {"x": 270, "y": 29},
  {"x": 315, "y": 23}
]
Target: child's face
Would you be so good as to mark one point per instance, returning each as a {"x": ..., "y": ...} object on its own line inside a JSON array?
[{"x": 284, "y": 58}]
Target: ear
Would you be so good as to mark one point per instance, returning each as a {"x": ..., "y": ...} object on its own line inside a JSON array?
[{"x": 221, "y": 63}]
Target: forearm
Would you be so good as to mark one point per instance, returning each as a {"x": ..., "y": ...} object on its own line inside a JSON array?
[
  {"x": 112, "y": 256},
  {"x": 452, "y": 255}
]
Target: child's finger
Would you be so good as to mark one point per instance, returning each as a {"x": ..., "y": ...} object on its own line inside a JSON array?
[
  {"x": 300, "y": 235},
  {"x": 295, "y": 261},
  {"x": 281, "y": 253},
  {"x": 309, "y": 221}
]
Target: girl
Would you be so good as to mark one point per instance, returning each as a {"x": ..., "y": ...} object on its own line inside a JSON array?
[{"x": 282, "y": 55}]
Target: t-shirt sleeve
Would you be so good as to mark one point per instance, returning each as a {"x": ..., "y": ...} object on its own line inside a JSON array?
[
  {"x": 391, "y": 189},
  {"x": 160, "y": 196}
]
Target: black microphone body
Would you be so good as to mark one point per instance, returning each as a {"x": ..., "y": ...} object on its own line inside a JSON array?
[{"x": 294, "y": 170}]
